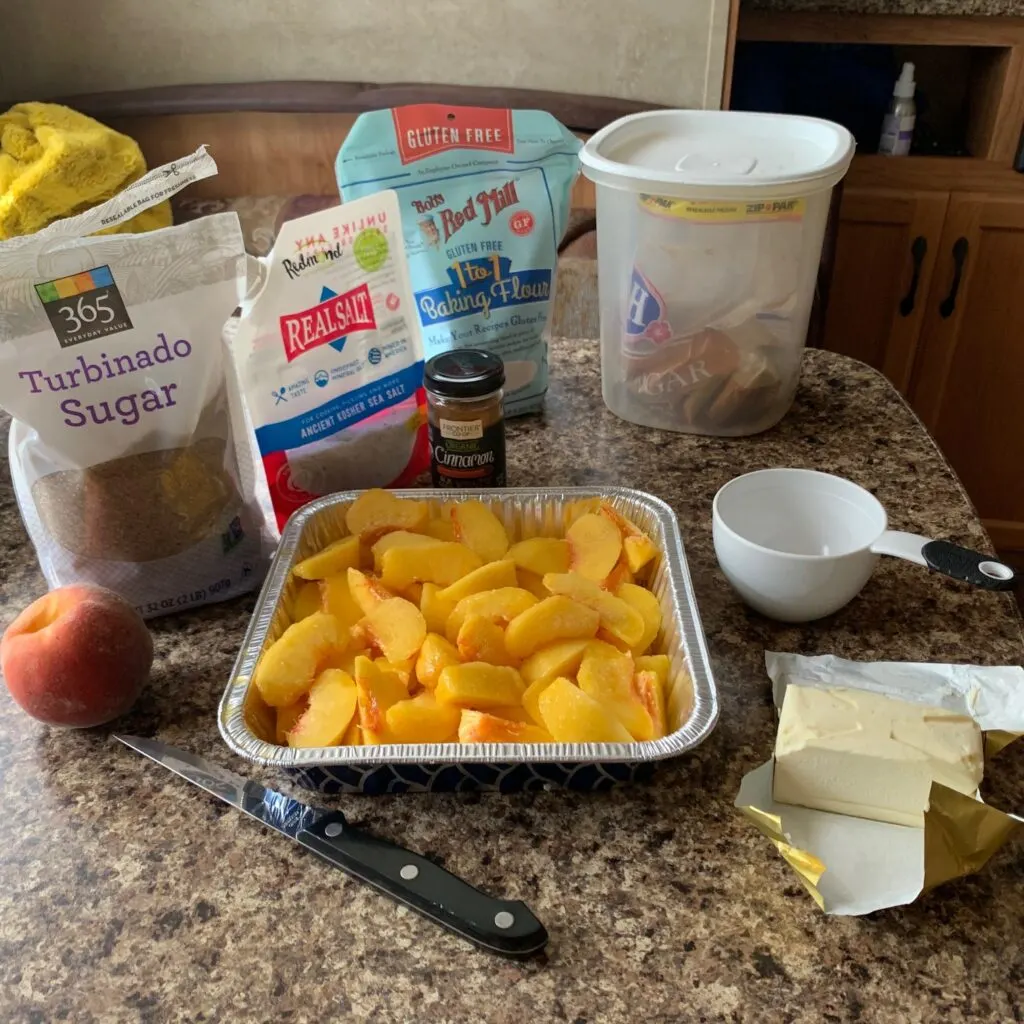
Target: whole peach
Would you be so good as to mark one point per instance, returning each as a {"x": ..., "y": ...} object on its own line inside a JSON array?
[{"x": 76, "y": 657}]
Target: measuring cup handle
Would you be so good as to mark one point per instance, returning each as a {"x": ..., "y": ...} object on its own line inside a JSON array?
[{"x": 969, "y": 566}]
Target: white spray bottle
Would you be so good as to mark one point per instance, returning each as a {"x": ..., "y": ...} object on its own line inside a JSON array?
[{"x": 898, "y": 124}]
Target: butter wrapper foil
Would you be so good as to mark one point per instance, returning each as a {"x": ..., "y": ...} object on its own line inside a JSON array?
[{"x": 854, "y": 866}]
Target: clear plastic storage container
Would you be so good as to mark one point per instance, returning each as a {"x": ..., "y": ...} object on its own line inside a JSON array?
[{"x": 709, "y": 234}]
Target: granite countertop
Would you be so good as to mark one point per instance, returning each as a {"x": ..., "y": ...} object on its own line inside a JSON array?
[
  {"x": 961, "y": 8},
  {"x": 127, "y": 895}
]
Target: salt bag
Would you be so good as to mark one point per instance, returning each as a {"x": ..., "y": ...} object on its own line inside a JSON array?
[
  {"x": 128, "y": 448},
  {"x": 484, "y": 196},
  {"x": 330, "y": 357}
]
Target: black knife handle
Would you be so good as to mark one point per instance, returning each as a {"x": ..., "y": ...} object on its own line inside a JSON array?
[
  {"x": 505, "y": 927},
  {"x": 968, "y": 566}
]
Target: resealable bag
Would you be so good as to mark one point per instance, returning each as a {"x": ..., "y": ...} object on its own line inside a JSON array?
[{"x": 129, "y": 453}]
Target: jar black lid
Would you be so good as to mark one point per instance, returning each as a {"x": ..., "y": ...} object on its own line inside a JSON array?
[{"x": 464, "y": 373}]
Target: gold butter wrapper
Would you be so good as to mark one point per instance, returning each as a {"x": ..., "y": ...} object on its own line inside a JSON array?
[{"x": 960, "y": 835}]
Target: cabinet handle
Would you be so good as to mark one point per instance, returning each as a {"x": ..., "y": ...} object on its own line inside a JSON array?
[
  {"x": 917, "y": 252},
  {"x": 948, "y": 304}
]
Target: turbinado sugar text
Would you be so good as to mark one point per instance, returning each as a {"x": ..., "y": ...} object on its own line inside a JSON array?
[{"x": 129, "y": 407}]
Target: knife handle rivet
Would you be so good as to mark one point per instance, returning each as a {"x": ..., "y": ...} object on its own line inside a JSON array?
[
  {"x": 409, "y": 872},
  {"x": 334, "y": 829},
  {"x": 503, "y": 919}
]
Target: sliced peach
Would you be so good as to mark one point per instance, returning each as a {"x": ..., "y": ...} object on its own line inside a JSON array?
[
  {"x": 422, "y": 719},
  {"x": 479, "y": 685},
  {"x": 618, "y": 617},
  {"x": 435, "y": 608},
  {"x": 440, "y": 529},
  {"x": 648, "y": 607},
  {"x": 396, "y": 627},
  {"x": 435, "y": 655},
  {"x": 377, "y": 512},
  {"x": 490, "y": 576},
  {"x": 413, "y": 592},
  {"x": 531, "y": 698},
  {"x": 397, "y": 539},
  {"x": 288, "y": 668},
  {"x": 480, "y": 727},
  {"x": 376, "y": 691},
  {"x": 405, "y": 670},
  {"x": 638, "y": 548},
  {"x": 573, "y": 717},
  {"x": 561, "y": 658},
  {"x": 353, "y": 734},
  {"x": 619, "y": 575},
  {"x": 287, "y": 717},
  {"x": 659, "y": 664},
  {"x": 366, "y": 591},
  {"x": 651, "y": 690},
  {"x": 554, "y": 618},
  {"x": 594, "y": 546},
  {"x": 479, "y": 529},
  {"x": 306, "y": 601},
  {"x": 480, "y": 639},
  {"x": 442, "y": 563},
  {"x": 344, "y": 657},
  {"x": 501, "y": 606},
  {"x": 607, "y": 675},
  {"x": 533, "y": 583},
  {"x": 512, "y": 713},
  {"x": 332, "y": 560},
  {"x": 332, "y": 705},
  {"x": 541, "y": 555},
  {"x": 336, "y": 599}
]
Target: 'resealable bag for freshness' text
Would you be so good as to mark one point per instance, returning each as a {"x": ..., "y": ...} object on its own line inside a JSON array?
[
  {"x": 484, "y": 198},
  {"x": 330, "y": 359},
  {"x": 128, "y": 446}
]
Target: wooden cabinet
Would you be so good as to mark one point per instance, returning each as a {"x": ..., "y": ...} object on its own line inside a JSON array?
[
  {"x": 885, "y": 255},
  {"x": 969, "y": 381},
  {"x": 952, "y": 340}
]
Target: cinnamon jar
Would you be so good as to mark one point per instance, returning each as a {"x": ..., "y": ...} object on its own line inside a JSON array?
[{"x": 465, "y": 419}]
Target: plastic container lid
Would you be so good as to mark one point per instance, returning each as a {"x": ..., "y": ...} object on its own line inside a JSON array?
[
  {"x": 718, "y": 154},
  {"x": 464, "y": 373}
]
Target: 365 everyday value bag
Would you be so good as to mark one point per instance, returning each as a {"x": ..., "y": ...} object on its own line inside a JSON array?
[
  {"x": 484, "y": 197},
  {"x": 128, "y": 449},
  {"x": 330, "y": 358}
]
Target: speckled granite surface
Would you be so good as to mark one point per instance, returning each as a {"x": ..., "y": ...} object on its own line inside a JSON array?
[
  {"x": 127, "y": 895},
  {"x": 962, "y": 8}
]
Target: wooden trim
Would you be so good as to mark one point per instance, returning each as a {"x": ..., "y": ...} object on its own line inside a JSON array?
[
  {"x": 907, "y": 30},
  {"x": 997, "y": 113},
  {"x": 730, "y": 52},
  {"x": 935, "y": 173},
  {"x": 1006, "y": 536},
  {"x": 260, "y": 153},
  {"x": 580, "y": 113}
]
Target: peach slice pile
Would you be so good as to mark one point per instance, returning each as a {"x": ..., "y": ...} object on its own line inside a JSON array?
[{"x": 420, "y": 628}]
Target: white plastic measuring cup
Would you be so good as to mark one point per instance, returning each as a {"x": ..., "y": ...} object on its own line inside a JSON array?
[{"x": 797, "y": 545}]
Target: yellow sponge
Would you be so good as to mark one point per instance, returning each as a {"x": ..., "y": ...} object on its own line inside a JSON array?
[{"x": 55, "y": 162}]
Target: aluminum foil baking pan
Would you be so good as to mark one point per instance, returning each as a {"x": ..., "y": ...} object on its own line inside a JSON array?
[{"x": 247, "y": 724}]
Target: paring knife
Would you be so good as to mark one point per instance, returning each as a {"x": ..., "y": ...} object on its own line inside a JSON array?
[{"x": 505, "y": 927}]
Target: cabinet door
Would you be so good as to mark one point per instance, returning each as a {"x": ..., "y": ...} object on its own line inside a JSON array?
[
  {"x": 969, "y": 379},
  {"x": 885, "y": 254}
]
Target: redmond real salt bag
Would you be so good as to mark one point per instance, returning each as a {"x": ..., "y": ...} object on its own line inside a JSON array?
[
  {"x": 330, "y": 357},
  {"x": 484, "y": 197},
  {"x": 128, "y": 447}
]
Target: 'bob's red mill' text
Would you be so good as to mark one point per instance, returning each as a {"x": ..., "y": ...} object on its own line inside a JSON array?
[{"x": 488, "y": 204}]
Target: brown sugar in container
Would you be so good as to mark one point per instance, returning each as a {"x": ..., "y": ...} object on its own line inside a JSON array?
[{"x": 465, "y": 419}]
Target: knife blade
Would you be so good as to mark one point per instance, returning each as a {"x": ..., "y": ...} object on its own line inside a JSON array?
[{"x": 505, "y": 927}]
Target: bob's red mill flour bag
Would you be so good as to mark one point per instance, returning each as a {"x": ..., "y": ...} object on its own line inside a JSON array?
[
  {"x": 128, "y": 448},
  {"x": 484, "y": 196}
]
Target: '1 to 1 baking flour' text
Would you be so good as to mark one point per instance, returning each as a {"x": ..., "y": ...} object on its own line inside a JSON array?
[{"x": 484, "y": 197}]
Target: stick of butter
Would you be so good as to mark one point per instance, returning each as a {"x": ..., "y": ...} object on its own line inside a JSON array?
[{"x": 871, "y": 756}]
